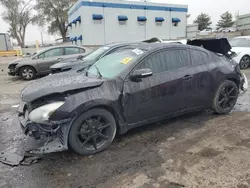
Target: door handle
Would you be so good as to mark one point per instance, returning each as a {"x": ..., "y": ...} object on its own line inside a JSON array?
[
  {"x": 187, "y": 77},
  {"x": 59, "y": 58}
]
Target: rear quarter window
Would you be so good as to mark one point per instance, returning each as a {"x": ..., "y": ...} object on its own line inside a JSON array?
[
  {"x": 199, "y": 57},
  {"x": 166, "y": 60}
]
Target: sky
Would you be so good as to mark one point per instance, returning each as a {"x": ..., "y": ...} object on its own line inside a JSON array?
[{"x": 212, "y": 7}]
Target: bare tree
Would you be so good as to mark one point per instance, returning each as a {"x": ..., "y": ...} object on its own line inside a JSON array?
[
  {"x": 19, "y": 14},
  {"x": 55, "y": 13}
]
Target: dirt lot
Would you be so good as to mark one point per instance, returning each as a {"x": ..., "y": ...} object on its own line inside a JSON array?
[{"x": 195, "y": 150}]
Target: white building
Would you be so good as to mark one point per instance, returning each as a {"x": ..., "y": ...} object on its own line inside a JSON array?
[
  {"x": 192, "y": 30},
  {"x": 105, "y": 21},
  {"x": 5, "y": 43},
  {"x": 243, "y": 22}
]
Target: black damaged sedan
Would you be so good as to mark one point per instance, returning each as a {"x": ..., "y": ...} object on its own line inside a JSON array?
[{"x": 142, "y": 84}]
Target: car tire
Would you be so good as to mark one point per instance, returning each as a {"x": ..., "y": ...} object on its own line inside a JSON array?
[
  {"x": 27, "y": 73},
  {"x": 225, "y": 97},
  {"x": 92, "y": 132},
  {"x": 245, "y": 62}
]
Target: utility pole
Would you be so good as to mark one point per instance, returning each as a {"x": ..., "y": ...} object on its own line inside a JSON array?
[{"x": 42, "y": 37}]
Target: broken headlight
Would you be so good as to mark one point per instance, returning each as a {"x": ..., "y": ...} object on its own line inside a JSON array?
[{"x": 42, "y": 113}]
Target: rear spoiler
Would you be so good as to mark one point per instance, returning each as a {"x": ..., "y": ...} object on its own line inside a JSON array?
[
  {"x": 220, "y": 45},
  {"x": 217, "y": 45}
]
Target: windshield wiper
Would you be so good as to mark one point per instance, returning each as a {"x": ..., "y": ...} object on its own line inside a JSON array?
[
  {"x": 86, "y": 69},
  {"x": 98, "y": 71}
]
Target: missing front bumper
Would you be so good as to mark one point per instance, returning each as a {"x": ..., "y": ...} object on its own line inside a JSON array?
[{"x": 53, "y": 140}]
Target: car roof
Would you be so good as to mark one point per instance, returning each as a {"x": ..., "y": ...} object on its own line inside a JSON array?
[
  {"x": 243, "y": 37},
  {"x": 117, "y": 44},
  {"x": 152, "y": 46},
  {"x": 63, "y": 46}
]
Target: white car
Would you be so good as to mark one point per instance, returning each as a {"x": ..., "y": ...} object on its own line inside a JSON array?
[
  {"x": 159, "y": 40},
  {"x": 228, "y": 30},
  {"x": 241, "y": 46},
  {"x": 181, "y": 41},
  {"x": 205, "y": 32}
]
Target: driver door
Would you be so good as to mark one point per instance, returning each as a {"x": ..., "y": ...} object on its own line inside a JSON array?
[
  {"x": 48, "y": 58},
  {"x": 160, "y": 94}
]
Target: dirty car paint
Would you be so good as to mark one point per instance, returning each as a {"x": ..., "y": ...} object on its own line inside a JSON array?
[
  {"x": 58, "y": 83},
  {"x": 134, "y": 103}
]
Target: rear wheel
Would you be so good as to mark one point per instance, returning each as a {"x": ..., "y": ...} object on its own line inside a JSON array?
[
  {"x": 92, "y": 132},
  {"x": 27, "y": 73},
  {"x": 245, "y": 62},
  {"x": 225, "y": 97}
]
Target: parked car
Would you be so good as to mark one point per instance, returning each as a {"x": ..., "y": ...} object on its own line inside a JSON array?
[
  {"x": 241, "y": 46},
  {"x": 39, "y": 63},
  {"x": 159, "y": 40},
  {"x": 180, "y": 41},
  {"x": 138, "y": 85},
  {"x": 205, "y": 32},
  {"x": 228, "y": 29},
  {"x": 80, "y": 63}
]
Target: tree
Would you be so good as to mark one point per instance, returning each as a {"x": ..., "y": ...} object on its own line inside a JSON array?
[
  {"x": 203, "y": 20},
  {"x": 226, "y": 20},
  {"x": 19, "y": 14},
  {"x": 55, "y": 13}
]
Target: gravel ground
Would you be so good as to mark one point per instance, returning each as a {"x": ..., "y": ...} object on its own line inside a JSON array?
[{"x": 194, "y": 150}]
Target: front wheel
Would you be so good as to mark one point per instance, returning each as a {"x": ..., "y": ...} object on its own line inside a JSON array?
[
  {"x": 225, "y": 97},
  {"x": 244, "y": 62},
  {"x": 27, "y": 73},
  {"x": 92, "y": 132}
]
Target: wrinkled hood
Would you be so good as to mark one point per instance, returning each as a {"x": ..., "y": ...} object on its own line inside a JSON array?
[
  {"x": 58, "y": 83},
  {"x": 19, "y": 60},
  {"x": 240, "y": 49}
]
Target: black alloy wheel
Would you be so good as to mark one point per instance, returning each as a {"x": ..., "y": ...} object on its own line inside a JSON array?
[
  {"x": 27, "y": 73},
  {"x": 92, "y": 132},
  {"x": 226, "y": 97},
  {"x": 245, "y": 62}
]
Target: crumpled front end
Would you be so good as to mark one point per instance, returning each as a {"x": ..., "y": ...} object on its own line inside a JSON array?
[{"x": 54, "y": 134}]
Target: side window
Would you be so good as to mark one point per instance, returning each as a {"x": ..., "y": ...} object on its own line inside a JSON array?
[
  {"x": 198, "y": 57},
  {"x": 53, "y": 53},
  {"x": 41, "y": 56},
  {"x": 72, "y": 50},
  {"x": 166, "y": 60}
]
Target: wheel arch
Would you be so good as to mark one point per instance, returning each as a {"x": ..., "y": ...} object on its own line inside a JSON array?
[
  {"x": 112, "y": 111},
  {"x": 19, "y": 68},
  {"x": 115, "y": 112},
  {"x": 237, "y": 82},
  {"x": 248, "y": 55}
]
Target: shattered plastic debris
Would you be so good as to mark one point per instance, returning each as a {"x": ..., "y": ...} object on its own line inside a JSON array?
[{"x": 13, "y": 159}]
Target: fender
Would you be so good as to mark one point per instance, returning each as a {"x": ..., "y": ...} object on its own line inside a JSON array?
[{"x": 97, "y": 103}]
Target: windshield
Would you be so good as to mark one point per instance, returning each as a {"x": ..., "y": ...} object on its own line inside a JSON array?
[
  {"x": 240, "y": 42},
  {"x": 95, "y": 54},
  {"x": 113, "y": 64},
  {"x": 38, "y": 52}
]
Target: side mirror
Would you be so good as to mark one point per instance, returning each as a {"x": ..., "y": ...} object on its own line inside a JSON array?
[
  {"x": 137, "y": 75},
  {"x": 80, "y": 57}
]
